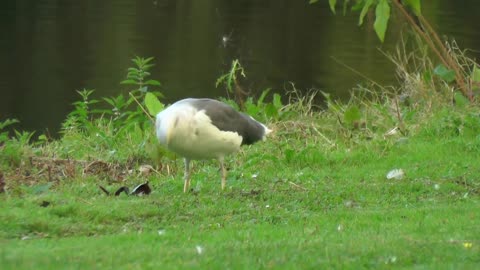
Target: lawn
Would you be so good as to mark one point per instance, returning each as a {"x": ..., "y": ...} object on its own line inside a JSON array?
[{"x": 313, "y": 208}]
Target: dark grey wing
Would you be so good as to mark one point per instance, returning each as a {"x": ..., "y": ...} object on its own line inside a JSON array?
[{"x": 225, "y": 118}]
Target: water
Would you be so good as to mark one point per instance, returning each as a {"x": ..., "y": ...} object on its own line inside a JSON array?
[{"x": 50, "y": 49}]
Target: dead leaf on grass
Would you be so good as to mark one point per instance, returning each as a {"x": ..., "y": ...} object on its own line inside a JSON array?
[{"x": 142, "y": 189}]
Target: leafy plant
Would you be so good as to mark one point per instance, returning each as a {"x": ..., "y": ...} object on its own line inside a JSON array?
[
  {"x": 265, "y": 110},
  {"x": 231, "y": 82},
  {"x": 13, "y": 150},
  {"x": 230, "y": 79},
  {"x": 3, "y": 125},
  {"x": 119, "y": 105},
  {"x": 257, "y": 108},
  {"x": 7, "y": 123},
  {"x": 125, "y": 122},
  {"x": 6, "y": 149},
  {"x": 138, "y": 74},
  {"x": 80, "y": 117}
]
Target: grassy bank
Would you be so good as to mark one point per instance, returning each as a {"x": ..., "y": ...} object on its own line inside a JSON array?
[{"x": 315, "y": 195}]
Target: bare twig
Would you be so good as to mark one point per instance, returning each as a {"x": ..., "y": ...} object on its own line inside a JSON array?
[
  {"x": 143, "y": 109},
  {"x": 85, "y": 201},
  {"x": 356, "y": 72},
  {"x": 297, "y": 186}
]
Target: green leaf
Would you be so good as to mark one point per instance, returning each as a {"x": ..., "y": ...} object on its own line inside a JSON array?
[
  {"x": 312, "y": 1},
  {"x": 277, "y": 101},
  {"x": 251, "y": 109},
  {"x": 365, "y": 9},
  {"x": 427, "y": 76},
  {"x": 414, "y": 5},
  {"x": 444, "y": 73},
  {"x": 460, "y": 100},
  {"x": 153, "y": 82},
  {"x": 352, "y": 114},
  {"x": 357, "y": 6},
  {"x": 382, "y": 14},
  {"x": 8, "y": 122},
  {"x": 332, "y": 4},
  {"x": 154, "y": 106},
  {"x": 43, "y": 138},
  {"x": 476, "y": 74},
  {"x": 131, "y": 69},
  {"x": 271, "y": 111},
  {"x": 262, "y": 96},
  {"x": 128, "y": 82},
  {"x": 149, "y": 59},
  {"x": 230, "y": 80},
  {"x": 221, "y": 79}
]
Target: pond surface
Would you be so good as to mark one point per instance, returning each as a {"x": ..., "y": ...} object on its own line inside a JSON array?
[{"x": 49, "y": 48}]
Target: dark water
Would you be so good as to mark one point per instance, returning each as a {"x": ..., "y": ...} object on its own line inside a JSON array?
[{"x": 51, "y": 48}]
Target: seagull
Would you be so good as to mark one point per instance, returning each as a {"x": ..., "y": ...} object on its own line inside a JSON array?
[{"x": 203, "y": 128}]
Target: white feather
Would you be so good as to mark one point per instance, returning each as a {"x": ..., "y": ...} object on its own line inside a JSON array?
[{"x": 190, "y": 133}]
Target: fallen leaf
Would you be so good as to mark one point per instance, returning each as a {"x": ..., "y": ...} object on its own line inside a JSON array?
[
  {"x": 142, "y": 189},
  {"x": 120, "y": 190}
]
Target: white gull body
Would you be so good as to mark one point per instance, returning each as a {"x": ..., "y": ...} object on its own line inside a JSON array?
[{"x": 206, "y": 129}]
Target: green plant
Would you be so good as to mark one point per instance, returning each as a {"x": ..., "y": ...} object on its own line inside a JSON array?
[
  {"x": 15, "y": 149},
  {"x": 257, "y": 108},
  {"x": 130, "y": 111},
  {"x": 125, "y": 122},
  {"x": 137, "y": 76},
  {"x": 231, "y": 82},
  {"x": 81, "y": 116},
  {"x": 119, "y": 108},
  {"x": 3, "y": 125}
]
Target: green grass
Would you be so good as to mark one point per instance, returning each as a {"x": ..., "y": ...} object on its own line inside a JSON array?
[
  {"x": 318, "y": 208},
  {"x": 371, "y": 238}
]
